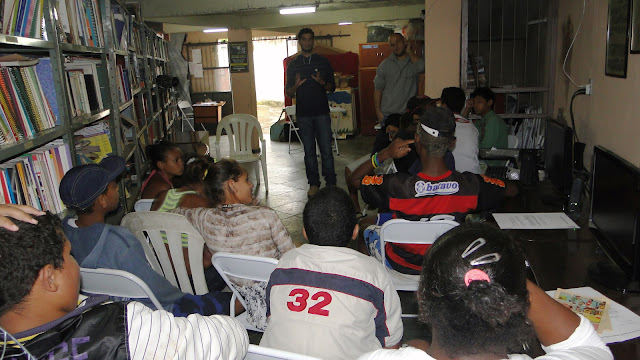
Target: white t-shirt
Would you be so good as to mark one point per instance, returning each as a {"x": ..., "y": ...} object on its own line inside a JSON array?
[
  {"x": 583, "y": 344},
  {"x": 332, "y": 303},
  {"x": 466, "y": 150}
]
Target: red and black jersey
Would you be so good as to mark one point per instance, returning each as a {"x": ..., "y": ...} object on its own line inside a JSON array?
[{"x": 413, "y": 197}]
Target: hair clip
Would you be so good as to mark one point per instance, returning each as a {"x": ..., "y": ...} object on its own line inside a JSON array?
[
  {"x": 475, "y": 245},
  {"x": 475, "y": 275},
  {"x": 206, "y": 171},
  {"x": 191, "y": 159},
  {"x": 430, "y": 131},
  {"x": 485, "y": 259}
]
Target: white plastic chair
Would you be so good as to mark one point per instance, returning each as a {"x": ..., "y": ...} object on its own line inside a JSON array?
[
  {"x": 186, "y": 110},
  {"x": 116, "y": 283},
  {"x": 143, "y": 205},
  {"x": 512, "y": 141},
  {"x": 401, "y": 231},
  {"x": 246, "y": 267},
  {"x": 256, "y": 352},
  {"x": 149, "y": 227},
  {"x": 290, "y": 114},
  {"x": 239, "y": 128}
]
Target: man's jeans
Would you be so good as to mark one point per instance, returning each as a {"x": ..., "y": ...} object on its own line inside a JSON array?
[{"x": 312, "y": 128}]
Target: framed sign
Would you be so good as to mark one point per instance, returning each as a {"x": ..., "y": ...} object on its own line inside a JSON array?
[
  {"x": 635, "y": 27},
  {"x": 617, "y": 38},
  {"x": 239, "y": 56}
]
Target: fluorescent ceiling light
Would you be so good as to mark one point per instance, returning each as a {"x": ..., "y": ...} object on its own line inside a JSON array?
[
  {"x": 215, "y": 30},
  {"x": 345, "y": 23},
  {"x": 298, "y": 10}
]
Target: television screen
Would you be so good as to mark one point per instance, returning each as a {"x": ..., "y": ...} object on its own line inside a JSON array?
[
  {"x": 558, "y": 150},
  {"x": 614, "y": 206}
]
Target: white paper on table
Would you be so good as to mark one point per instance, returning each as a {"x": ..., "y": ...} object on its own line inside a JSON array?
[
  {"x": 625, "y": 324},
  {"x": 536, "y": 221},
  {"x": 197, "y": 71},
  {"x": 196, "y": 56},
  {"x": 192, "y": 67}
]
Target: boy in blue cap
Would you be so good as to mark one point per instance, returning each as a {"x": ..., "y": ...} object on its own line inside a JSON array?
[{"x": 91, "y": 191}]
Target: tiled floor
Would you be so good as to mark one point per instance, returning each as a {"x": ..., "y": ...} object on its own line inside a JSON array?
[{"x": 288, "y": 196}]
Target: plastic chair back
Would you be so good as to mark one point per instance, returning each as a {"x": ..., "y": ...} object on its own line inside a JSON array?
[
  {"x": 256, "y": 352},
  {"x": 151, "y": 228},
  {"x": 402, "y": 231},
  {"x": 143, "y": 205},
  {"x": 512, "y": 141},
  {"x": 245, "y": 267},
  {"x": 291, "y": 112},
  {"x": 116, "y": 283}
]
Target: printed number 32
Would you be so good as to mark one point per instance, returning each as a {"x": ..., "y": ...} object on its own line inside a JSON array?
[{"x": 300, "y": 302}]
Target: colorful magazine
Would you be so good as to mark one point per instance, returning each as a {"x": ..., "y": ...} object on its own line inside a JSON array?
[{"x": 595, "y": 310}]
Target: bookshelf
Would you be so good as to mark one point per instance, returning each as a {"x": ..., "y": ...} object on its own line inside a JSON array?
[{"x": 96, "y": 71}]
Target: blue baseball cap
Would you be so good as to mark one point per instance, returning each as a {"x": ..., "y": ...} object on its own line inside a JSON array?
[{"x": 82, "y": 185}]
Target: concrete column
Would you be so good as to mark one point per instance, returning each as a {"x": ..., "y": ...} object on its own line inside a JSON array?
[{"x": 442, "y": 45}]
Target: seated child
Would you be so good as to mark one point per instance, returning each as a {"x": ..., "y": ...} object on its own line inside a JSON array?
[
  {"x": 492, "y": 128},
  {"x": 166, "y": 161},
  {"x": 325, "y": 299},
  {"x": 91, "y": 191},
  {"x": 39, "y": 283}
]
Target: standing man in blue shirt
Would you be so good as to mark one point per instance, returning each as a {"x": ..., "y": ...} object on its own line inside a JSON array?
[
  {"x": 309, "y": 78},
  {"x": 396, "y": 79}
]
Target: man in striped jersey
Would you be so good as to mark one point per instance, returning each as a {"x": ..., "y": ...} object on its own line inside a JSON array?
[
  {"x": 325, "y": 299},
  {"x": 435, "y": 190},
  {"x": 39, "y": 284}
]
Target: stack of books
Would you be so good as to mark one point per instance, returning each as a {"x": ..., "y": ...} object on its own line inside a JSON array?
[
  {"x": 84, "y": 85},
  {"x": 34, "y": 178},
  {"x": 22, "y": 18},
  {"x": 27, "y": 98}
]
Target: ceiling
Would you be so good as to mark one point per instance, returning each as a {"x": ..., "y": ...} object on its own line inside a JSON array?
[{"x": 194, "y": 15}]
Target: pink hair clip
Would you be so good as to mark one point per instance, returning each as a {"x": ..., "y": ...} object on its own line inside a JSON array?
[{"x": 475, "y": 275}]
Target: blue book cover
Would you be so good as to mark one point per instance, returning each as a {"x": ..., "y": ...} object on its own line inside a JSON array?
[{"x": 45, "y": 75}]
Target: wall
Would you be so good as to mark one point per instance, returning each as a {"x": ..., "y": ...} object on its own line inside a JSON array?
[
  {"x": 608, "y": 117},
  {"x": 442, "y": 45}
]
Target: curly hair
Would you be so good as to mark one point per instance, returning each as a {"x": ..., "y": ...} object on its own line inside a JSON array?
[
  {"x": 24, "y": 253},
  {"x": 221, "y": 172},
  {"x": 158, "y": 152},
  {"x": 305, "y": 31},
  {"x": 483, "y": 317},
  {"x": 329, "y": 217},
  {"x": 194, "y": 171}
]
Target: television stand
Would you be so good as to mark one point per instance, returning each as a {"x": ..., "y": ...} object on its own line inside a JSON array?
[{"x": 607, "y": 274}]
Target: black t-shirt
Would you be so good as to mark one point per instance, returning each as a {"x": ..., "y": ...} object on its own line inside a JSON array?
[{"x": 311, "y": 97}]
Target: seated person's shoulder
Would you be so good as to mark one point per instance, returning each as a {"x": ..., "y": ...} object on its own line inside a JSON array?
[{"x": 156, "y": 185}]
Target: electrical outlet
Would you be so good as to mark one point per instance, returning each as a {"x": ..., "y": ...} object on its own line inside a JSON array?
[{"x": 588, "y": 89}]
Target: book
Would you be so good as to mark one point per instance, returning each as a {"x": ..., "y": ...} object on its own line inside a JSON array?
[
  {"x": 595, "y": 309},
  {"x": 17, "y": 60}
]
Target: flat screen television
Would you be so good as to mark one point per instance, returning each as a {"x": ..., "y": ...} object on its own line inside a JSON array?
[
  {"x": 614, "y": 219},
  {"x": 558, "y": 156}
]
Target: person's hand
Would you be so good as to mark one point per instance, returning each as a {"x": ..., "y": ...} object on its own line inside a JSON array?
[
  {"x": 318, "y": 78},
  {"x": 397, "y": 149},
  {"x": 18, "y": 212},
  {"x": 380, "y": 116},
  {"x": 299, "y": 81}
]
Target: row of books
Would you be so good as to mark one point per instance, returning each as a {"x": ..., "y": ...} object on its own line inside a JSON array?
[
  {"x": 84, "y": 85},
  {"x": 34, "y": 178},
  {"x": 79, "y": 22},
  {"x": 22, "y": 18},
  {"x": 124, "y": 83},
  {"x": 530, "y": 131},
  {"x": 27, "y": 100},
  {"x": 122, "y": 27}
]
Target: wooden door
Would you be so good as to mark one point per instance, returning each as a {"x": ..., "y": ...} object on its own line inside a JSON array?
[
  {"x": 372, "y": 54},
  {"x": 367, "y": 109}
]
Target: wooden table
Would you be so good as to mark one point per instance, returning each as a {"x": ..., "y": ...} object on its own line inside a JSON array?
[{"x": 208, "y": 112}]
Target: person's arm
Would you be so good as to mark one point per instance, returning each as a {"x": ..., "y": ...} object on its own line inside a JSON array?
[
  {"x": 328, "y": 86},
  {"x": 552, "y": 321},
  {"x": 18, "y": 212},
  {"x": 397, "y": 149},
  {"x": 196, "y": 337},
  {"x": 393, "y": 309},
  {"x": 466, "y": 110},
  {"x": 377, "y": 102}
]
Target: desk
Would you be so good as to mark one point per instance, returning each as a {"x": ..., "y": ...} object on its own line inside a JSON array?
[
  {"x": 560, "y": 258},
  {"x": 208, "y": 112}
]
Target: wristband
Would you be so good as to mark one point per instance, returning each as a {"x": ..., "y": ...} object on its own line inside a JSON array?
[{"x": 373, "y": 161}]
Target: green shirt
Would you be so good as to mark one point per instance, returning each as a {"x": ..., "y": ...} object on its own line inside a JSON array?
[{"x": 493, "y": 131}]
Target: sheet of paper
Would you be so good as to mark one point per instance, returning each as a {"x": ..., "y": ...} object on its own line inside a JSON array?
[
  {"x": 192, "y": 67},
  {"x": 534, "y": 221},
  {"x": 196, "y": 56},
  {"x": 198, "y": 71},
  {"x": 625, "y": 323}
]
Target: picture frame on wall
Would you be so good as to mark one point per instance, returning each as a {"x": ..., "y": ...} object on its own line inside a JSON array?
[
  {"x": 635, "y": 27},
  {"x": 617, "y": 38}
]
